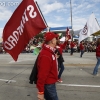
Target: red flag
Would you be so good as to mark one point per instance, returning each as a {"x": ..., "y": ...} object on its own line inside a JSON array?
[
  {"x": 67, "y": 33},
  {"x": 25, "y": 23}
]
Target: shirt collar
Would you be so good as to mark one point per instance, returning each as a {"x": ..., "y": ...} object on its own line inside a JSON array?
[{"x": 49, "y": 47}]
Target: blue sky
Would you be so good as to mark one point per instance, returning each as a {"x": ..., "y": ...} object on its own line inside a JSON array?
[{"x": 56, "y": 12}]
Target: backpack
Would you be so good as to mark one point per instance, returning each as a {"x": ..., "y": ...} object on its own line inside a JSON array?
[{"x": 34, "y": 72}]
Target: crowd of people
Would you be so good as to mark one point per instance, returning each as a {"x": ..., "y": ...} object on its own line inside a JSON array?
[
  {"x": 88, "y": 46},
  {"x": 73, "y": 46}
]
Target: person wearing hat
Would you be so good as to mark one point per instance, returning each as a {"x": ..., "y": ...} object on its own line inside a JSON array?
[{"x": 47, "y": 69}]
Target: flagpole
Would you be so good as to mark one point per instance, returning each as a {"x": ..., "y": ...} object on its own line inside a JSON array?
[
  {"x": 97, "y": 21},
  {"x": 71, "y": 19}
]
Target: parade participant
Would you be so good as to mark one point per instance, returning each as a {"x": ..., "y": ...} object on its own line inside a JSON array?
[
  {"x": 47, "y": 69},
  {"x": 95, "y": 71},
  {"x": 60, "y": 47},
  {"x": 82, "y": 49},
  {"x": 72, "y": 44}
]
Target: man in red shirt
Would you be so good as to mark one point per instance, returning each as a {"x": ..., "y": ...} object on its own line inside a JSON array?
[
  {"x": 47, "y": 69},
  {"x": 72, "y": 44},
  {"x": 82, "y": 48}
]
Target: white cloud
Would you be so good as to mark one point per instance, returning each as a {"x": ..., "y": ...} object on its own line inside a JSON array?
[
  {"x": 1, "y": 31},
  {"x": 67, "y": 4},
  {"x": 96, "y": 1},
  {"x": 79, "y": 7},
  {"x": 47, "y": 8},
  {"x": 4, "y": 14},
  {"x": 82, "y": 7},
  {"x": 51, "y": 24},
  {"x": 42, "y": 2},
  {"x": 78, "y": 23},
  {"x": 89, "y": 6},
  {"x": 58, "y": 18},
  {"x": 64, "y": 10}
]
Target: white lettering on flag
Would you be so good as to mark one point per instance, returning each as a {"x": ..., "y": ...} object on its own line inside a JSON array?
[{"x": 13, "y": 39}]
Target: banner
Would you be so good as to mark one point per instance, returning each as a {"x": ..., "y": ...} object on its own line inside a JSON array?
[
  {"x": 26, "y": 22},
  {"x": 90, "y": 28}
]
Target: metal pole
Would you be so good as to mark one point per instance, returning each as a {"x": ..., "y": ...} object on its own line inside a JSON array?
[
  {"x": 71, "y": 19},
  {"x": 97, "y": 22}
]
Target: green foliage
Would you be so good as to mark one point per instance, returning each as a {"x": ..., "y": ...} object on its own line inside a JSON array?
[{"x": 41, "y": 35}]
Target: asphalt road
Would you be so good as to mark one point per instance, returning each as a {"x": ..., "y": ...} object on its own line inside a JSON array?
[{"x": 78, "y": 81}]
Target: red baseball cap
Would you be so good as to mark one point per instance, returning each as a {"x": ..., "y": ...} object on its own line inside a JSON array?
[{"x": 49, "y": 36}]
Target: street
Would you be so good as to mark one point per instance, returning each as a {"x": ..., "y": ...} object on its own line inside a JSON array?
[{"x": 78, "y": 81}]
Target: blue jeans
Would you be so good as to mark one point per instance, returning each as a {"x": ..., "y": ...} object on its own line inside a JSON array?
[
  {"x": 61, "y": 69},
  {"x": 72, "y": 50},
  {"x": 82, "y": 52},
  {"x": 96, "y": 67},
  {"x": 50, "y": 92}
]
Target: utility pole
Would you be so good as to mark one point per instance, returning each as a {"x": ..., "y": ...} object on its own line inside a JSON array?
[{"x": 71, "y": 19}]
